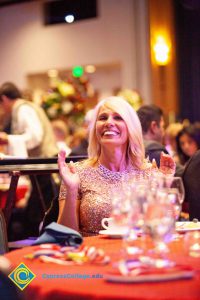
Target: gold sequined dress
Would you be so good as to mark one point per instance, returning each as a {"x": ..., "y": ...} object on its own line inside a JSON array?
[{"x": 95, "y": 194}]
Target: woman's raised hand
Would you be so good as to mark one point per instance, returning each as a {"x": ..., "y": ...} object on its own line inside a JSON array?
[
  {"x": 167, "y": 164},
  {"x": 68, "y": 172}
]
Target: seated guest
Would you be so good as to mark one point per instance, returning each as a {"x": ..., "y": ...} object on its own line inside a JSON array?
[
  {"x": 152, "y": 122},
  {"x": 81, "y": 148},
  {"x": 115, "y": 149},
  {"x": 188, "y": 142},
  {"x": 192, "y": 187},
  {"x": 171, "y": 133}
]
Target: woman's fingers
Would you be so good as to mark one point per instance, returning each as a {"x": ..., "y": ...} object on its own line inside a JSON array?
[
  {"x": 72, "y": 167},
  {"x": 61, "y": 155},
  {"x": 167, "y": 164}
]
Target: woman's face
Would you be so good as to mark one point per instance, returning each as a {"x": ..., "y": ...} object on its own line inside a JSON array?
[
  {"x": 188, "y": 145},
  {"x": 111, "y": 129}
]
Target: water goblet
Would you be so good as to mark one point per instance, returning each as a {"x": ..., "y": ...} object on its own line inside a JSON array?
[
  {"x": 160, "y": 224},
  {"x": 176, "y": 183}
]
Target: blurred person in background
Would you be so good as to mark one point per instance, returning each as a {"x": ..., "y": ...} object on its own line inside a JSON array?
[
  {"x": 152, "y": 122},
  {"x": 171, "y": 133},
  {"x": 61, "y": 133},
  {"x": 153, "y": 129},
  {"x": 188, "y": 142},
  {"x": 191, "y": 177},
  {"x": 31, "y": 134},
  {"x": 29, "y": 125},
  {"x": 82, "y": 135}
]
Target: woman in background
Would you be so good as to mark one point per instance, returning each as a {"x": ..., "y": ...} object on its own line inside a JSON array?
[
  {"x": 188, "y": 142},
  {"x": 115, "y": 149},
  {"x": 171, "y": 133}
]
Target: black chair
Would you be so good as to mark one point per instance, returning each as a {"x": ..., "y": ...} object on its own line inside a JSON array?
[{"x": 3, "y": 235}]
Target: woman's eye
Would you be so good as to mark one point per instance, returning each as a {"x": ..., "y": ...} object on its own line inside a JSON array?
[
  {"x": 119, "y": 118},
  {"x": 102, "y": 118}
]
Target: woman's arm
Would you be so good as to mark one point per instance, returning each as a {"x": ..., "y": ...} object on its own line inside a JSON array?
[
  {"x": 68, "y": 203},
  {"x": 69, "y": 211}
]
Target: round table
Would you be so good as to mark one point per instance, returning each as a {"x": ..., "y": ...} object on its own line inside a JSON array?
[{"x": 44, "y": 288}]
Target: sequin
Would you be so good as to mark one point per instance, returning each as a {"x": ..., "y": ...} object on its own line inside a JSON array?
[{"x": 96, "y": 184}]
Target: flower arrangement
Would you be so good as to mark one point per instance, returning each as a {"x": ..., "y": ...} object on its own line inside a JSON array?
[
  {"x": 68, "y": 99},
  {"x": 132, "y": 97}
]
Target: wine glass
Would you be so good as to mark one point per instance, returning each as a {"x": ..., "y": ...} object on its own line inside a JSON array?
[
  {"x": 176, "y": 193},
  {"x": 138, "y": 202},
  {"x": 176, "y": 183},
  {"x": 120, "y": 207},
  {"x": 160, "y": 223}
]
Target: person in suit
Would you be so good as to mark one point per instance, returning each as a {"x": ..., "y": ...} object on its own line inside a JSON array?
[{"x": 191, "y": 177}]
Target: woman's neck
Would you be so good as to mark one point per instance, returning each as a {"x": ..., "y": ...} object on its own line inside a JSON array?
[{"x": 114, "y": 160}]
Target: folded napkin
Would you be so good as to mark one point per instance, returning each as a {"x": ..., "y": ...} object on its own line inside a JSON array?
[
  {"x": 59, "y": 234},
  {"x": 141, "y": 274}
]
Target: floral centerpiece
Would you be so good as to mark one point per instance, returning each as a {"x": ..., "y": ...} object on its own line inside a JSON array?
[
  {"x": 132, "y": 97},
  {"x": 68, "y": 100}
]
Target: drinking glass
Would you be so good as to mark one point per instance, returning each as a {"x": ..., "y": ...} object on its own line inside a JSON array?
[
  {"x": 138, "y": 200},
  {"x": 160, "y": 223},
  {"x": 120, "y": 206},
  {"x": 176, "y": 193},
  {"x": 176, "y": 183}
]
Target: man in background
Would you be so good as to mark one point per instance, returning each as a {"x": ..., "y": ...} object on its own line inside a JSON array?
[
  {"x": 31, "y": 135},
  {"x": 29, "y": 125},
  {"x": 152, "y": 121},
  {"x": 153, "y": 128}
]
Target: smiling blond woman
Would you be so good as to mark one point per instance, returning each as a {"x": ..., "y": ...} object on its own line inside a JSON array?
[{"x": 115, "y": 149}]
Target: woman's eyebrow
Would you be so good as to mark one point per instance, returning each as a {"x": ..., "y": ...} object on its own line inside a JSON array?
[{"x": 102, "y": 114}]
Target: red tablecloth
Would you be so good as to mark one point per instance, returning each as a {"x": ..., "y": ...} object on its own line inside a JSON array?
[{"x": 54, "y": 289}]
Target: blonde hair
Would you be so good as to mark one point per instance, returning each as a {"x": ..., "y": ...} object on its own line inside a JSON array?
[{"x": 135, "y": 150}]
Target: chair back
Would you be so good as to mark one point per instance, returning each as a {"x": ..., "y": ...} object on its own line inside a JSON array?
[{"x": 3, "y": 234}]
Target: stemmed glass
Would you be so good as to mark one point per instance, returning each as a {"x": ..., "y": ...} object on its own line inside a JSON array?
[
  {"x": 176, "y": 193},
  {"x": 138, "y": 200},
  {"x": 160, "y": 222}
]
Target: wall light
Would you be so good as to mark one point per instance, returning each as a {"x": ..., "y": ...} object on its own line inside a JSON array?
[
  {"x": 161, "y": 51},
  {"x": 52, "y": 73},
  {"x": 90, "y": 68}
]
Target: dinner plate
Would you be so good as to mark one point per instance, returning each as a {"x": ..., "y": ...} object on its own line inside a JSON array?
[
  {"x": 113, "y": 234},
  {"x": 149, "y": 277},
  {"x": 187, "y": 226}
]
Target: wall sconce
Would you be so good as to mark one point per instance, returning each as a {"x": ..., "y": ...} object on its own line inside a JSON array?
[{"x": 161, "y": 51}]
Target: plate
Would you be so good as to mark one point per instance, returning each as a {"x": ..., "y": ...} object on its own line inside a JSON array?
[
  {"x": 187, "y": 226},
  {"x": 113, "y": 234},
  {"x": 150, "y": 277}
]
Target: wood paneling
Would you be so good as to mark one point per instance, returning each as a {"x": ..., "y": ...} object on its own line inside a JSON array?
[{"x": 164, "y": 78}]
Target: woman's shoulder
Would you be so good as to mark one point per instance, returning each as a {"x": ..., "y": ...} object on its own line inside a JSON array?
[{"x": 83, "y": 165}]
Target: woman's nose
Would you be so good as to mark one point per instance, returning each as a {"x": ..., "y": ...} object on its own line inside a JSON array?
[{"x": 109, "y": 121}]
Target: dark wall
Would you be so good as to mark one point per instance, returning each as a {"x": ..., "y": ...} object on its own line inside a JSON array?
[{"x": 187, "y": 14}]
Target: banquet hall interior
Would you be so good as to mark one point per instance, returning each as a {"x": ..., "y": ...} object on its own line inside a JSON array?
[{"x": 65, "y": 56}]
